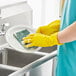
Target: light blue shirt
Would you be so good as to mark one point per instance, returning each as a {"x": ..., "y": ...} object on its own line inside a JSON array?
[{"x": 66, "y": 62}]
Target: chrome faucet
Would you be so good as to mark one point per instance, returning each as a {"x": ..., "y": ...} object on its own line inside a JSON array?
[{"x": 3, "y": 31}]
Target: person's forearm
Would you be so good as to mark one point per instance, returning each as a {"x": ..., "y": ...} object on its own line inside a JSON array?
[{"x": 68, "y": 34}]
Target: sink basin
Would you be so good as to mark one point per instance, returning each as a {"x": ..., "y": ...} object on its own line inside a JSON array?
[
  {"x": 22, "y": 59},
  {"x": 4, "y": 72},
  {"x": 19, "y": 59}
]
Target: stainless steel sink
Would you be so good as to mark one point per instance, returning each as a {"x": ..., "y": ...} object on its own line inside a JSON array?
[
  {"x": 4, "y": 72},
  {"x": 21, "y": 59},
  {"x": 17, "y": 59}
]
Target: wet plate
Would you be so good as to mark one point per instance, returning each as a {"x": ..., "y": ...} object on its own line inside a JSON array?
[{"x": 14, "y": 36}]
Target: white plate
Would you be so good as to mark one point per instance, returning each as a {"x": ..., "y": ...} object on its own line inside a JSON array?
[{"x": 14, "y": 43}]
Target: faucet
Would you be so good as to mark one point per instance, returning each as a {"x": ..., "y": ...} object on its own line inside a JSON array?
[{"x": 3, "y": 31}]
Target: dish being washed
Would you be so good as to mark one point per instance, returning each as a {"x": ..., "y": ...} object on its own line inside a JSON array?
[
  {"x": 19, "y": 36},
  {"x": 14, "y": 37}
]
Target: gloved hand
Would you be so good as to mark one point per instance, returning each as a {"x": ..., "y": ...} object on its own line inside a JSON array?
[
  {"x": 50, "y": 28},
  {"x": 41, "y": 40}
]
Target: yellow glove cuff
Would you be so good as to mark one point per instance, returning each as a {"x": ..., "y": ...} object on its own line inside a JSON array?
[{"x": 54, "y": 38}]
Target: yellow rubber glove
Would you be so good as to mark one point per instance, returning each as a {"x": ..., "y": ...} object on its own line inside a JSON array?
[
  {"x": 41, "y": 40},
  {"x": 50, "y": 28}
]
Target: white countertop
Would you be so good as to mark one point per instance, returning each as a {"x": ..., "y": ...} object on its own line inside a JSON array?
[{"x": 5, "y": 3}]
